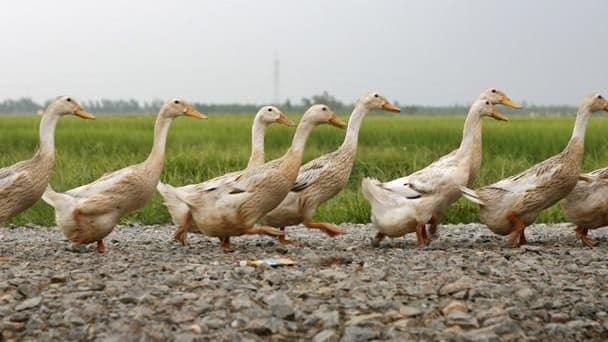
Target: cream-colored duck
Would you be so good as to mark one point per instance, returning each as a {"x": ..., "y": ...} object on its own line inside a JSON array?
[
  {"x": 324, "y": 177},
  {"x": 89, "y": 213},
  {"x": 232, "y": 208},
  {"x": 180, "y": 212},
  {"x": 510, "y": 205},
  {"x": 587, "y": 204},
  {"x": 407, "y": 204},
  {"x": 22, "y": 184}
]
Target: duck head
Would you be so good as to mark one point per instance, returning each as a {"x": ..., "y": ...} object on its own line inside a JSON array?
[
  {"x": 178, "y": 107},
  {"x": 321, "y": 114},
  {"x": 271, "y": 114}
]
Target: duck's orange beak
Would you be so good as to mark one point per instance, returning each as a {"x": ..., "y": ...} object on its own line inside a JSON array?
[
  {"x": 337, "y": 122},
  {"x": 509, "y": 103},
  {"x": 390, "y": 107},
  {"x": 285, "y": 121},
  {"x": 80, "y": 112},
  {"x": 190, "y": 111},
  {"x": 496, "y": 115}
]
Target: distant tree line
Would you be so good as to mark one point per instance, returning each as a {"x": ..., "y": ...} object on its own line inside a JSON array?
[{"x": 107, "y": 106}]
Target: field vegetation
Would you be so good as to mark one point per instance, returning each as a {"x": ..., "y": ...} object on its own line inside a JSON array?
[{"x": 389, "y": 147}]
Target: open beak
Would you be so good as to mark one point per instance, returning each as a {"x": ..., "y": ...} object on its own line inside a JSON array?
[
  {"x": 194, "y": 113},
  {"x": 496, "y": 115},
  {"x": 83, "y": 114},
  {"x": 509, "y": 103},
  {"x": 390, "y": 107},
  {"x": 285, "y": 121},
  {"x": 336, "y": 121}
]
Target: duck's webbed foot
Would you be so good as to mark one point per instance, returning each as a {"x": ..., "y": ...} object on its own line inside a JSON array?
[
  {"x": 6, "y": 259},
  {"x": 283, "y": 240},
  {"x": 517, "y": 237},
  {"x": 379, "y": 237},
  {"x": 328, "y": 228},
  {"x": 433, "y": 225},
  {"x": 101, "y": 247},
  {"x": 226, "y": 246},
  {"x": 581, "y": 233}
]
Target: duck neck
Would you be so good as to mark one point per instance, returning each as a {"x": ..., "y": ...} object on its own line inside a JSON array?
[
  {"x": 258, "y": 131},
  {"x": 577, "y": 141},
  {"x": 156, "y": 158},
  {"x": 47, "y": 134},
  {"x": 299, "y": 140},
  {"x": 471, "y": 136},
  {"x": 354, "y": 125}
]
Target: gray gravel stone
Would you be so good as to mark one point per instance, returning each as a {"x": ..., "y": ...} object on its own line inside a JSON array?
[{"x": 465, "y": 286}]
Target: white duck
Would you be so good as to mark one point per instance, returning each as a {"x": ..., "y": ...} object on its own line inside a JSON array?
[
  {"x": 90, "y": 212},
  {"x": 510, "y": 205},
  {"x": 407, "y": 204},
  {"x": 22, "y": 184},
  {"x": 324, "y": 177},
  {"x": 179, "y": 210},
  {"x": 232, "y": 208}
]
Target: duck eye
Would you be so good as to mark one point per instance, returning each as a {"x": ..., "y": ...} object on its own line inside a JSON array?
[
  {"x": 375, "y": 95},
  {"x": 68, "y": 99},
  {"x": 600, "y": 97},
  {"x": 324, "y": 108},
  {"x": 487, "y": 102},
  {"x": 176, "y": 101},
  {"x": 493, "y": 90},
  {"x": 270, "y": 109}
]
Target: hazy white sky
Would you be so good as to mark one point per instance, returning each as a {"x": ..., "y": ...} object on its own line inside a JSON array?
[{"x": 417, "y": 52}]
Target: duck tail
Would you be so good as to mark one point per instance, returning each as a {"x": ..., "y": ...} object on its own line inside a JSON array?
[
  {"x": 471, "y": 195},
  {"x": 373, "y": 192},
  {"x": 56, "y": 199},
  {"x": 167, "y": 192}
]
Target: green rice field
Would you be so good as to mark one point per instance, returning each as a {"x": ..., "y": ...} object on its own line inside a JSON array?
[{"x": 389, "y": 147}]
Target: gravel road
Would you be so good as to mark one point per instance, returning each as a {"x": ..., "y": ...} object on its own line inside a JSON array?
[{"x": 466, "y": 286}]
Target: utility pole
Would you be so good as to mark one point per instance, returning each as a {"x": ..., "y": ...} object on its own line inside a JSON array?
[{"x": 276, "y": 97}]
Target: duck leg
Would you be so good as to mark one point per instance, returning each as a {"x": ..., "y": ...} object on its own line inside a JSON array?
[
  {"x": 420, "y": 235},
  {"x": 101, "y": 248},
  {"x": 434, "y": 222},
  {"x": 226, "y": 246},
  {"x": 181, "y": 234},
  {"x": 379, "y": 237},
  {"x": 6, "y": 259},
  {"x": 328, "y": 228},
  {"x": 582, "y": 234},
  {"x": 283, "y": 240},
  {"x": 517, "y": 236}
]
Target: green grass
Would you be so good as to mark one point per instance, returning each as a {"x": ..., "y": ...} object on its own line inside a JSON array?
[{"x": 389, "y": 147}]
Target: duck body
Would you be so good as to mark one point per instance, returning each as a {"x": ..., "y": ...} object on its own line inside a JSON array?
[
  {"x": 232, "y": 210},
  {"x": 527, "y": 194},
  {"x": 398, "y": 206},
  {"x": 587, "y": 204},
  {"x": 22, "y": 184},
  {"x": 101, "y": 204},
  {"x": 330, "y": 174}
]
